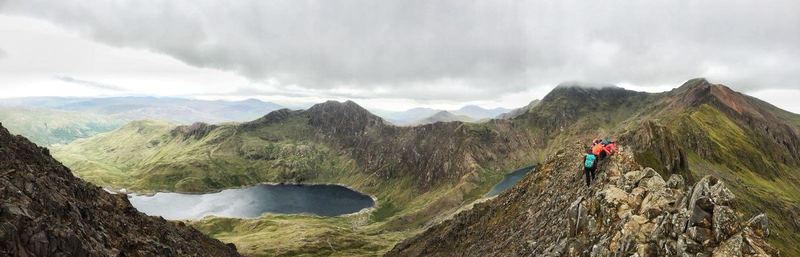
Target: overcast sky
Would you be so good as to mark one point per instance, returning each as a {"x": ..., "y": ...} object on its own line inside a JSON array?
[{"x": 394, "y": 54}]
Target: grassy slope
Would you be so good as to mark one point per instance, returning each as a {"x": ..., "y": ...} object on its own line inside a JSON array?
[
  {"x": 146, "y": 156},
  {"x": 47, "y": 127},
  {"x": 735, "y": 162},
  {"x": 557, "y": 121}
]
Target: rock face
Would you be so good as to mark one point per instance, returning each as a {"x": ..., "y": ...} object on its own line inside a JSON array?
[
  {"x": 655, "y": 146},
  {"x": 46, "y": 211},
  {"x": 629, "y": 211}
]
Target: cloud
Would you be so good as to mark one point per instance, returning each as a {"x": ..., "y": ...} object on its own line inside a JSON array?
[
  {"x": 452, "y": 50},
  {"x": 92, "y": 84},
  {"x": 3, "y": 53}
]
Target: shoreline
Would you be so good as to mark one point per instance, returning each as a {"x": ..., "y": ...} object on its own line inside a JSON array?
[{"x": 375, "y": 202}]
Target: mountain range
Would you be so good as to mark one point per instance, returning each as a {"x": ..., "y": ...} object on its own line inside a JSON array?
[
  {"x": 702, "y": 133},
  {"x": 60, "y": 120},
  {"x": 417, "y": 116}
]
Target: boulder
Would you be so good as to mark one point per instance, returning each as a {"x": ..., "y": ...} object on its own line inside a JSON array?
[
  {"x": 675, "y": 181},
  {"x": 724, "y": 222},
  {"x": 701, "y": 235},
  {"x": 653, "y": 183},
  {"x": 613, "y": 196},
  {"x": 729, "y": 248},
  {"x": 759, "y": 225},
  {"x": 720, "y": 194}
]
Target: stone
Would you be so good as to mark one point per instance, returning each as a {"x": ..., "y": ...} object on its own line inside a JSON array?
[
  {"x": 724, "y": 222},
  {"x": 653, "y": 183},
  {"x": 613, "y": 197},
  {"x": 759, "y": 225},
  {"x": 699, "y": 217},
  {"x": 700, "y": 234},
  {"x": 689, "y": 246},
  {"x": 636, "y": 197},
  {"x": 720, "y": 194},
  {"x": 729, "y": 248},
  {"x": 700, "y": 191},
  {"x": 675, "y": 181}
]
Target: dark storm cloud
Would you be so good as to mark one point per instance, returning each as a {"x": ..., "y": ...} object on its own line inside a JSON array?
[
  {"x": 457, "y": 50},
  {"x": 92, "y": 84}
]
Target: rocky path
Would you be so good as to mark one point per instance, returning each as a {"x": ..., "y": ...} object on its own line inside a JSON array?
[{"x": 630, "y": 211}]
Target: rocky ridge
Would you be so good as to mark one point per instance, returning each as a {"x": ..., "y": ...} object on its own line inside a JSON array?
[
  {"x": 630, "y": 211},
  {"x": 46, "y": 211}
]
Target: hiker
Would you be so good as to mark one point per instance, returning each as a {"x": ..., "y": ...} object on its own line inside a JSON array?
[
  {"x": 589, "y": 166},
  {"x": 598, "y": 150},
  {"x": 611, "y": 148}
]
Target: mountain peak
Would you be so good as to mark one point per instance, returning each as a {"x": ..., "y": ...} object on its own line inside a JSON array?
[
  {"x": 342, "y": 116},
  {"x": 700, "y": 91}
]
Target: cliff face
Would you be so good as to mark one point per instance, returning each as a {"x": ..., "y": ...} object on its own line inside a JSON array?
[
  {"x": 630, "y": 210},
  {"x": 46, "y": 211},
  {"x": 654, "y": 145}
]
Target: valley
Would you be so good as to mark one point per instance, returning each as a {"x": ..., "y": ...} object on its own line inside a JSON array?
[{"x": 421, "y": 175}]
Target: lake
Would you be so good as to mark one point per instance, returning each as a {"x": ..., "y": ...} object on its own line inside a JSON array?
[
  {"x": 509, "y": 180},
  {"x": 251, "y": 202}
]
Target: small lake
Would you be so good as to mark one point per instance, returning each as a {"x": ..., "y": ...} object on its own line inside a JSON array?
[
  {"x": 510, "y": 180},
  {"x": 252, "y": 202}
]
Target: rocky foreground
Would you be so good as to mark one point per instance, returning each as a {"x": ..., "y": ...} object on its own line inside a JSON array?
[
  {"x": 630, "y": 211},
  {"x": 46, "y": 211}
]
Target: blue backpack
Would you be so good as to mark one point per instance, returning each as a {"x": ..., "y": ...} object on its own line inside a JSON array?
[{"x": 589, "y": 161}]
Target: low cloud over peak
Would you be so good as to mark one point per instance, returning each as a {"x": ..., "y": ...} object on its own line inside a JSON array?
[{"x": 474, "y": 50}]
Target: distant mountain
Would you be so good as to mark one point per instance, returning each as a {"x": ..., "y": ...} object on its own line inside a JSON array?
[
  {"x": 421, "y": 175},
  {"x": 519, "y": 111},
  {"x": 179, "y": 110},
  {"x": 446, "y": 164},
  {"x": 479, "y": 113},
  {"x": 406, "y": 117},
  {"x": 417, "y": 116},
  {"x": 443, "y": 116},
  {"x": 48, "y": 126},
  {"x": 46, "y": 211}
]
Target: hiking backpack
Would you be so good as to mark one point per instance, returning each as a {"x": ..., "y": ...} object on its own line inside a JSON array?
[{"x": 589, "y": 162}]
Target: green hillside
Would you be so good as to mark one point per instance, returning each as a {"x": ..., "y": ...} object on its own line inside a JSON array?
[
  {"x": 422, "y": 174},
  {"x": 329, "y": 143},
  {"x": 47, "y": 127}
]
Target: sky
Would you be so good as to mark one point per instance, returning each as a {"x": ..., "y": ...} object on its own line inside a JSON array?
[{"x": 394, "y": 54}]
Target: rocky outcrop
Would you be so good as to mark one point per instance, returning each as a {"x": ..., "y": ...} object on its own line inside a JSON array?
[
  {"x": 631, "y": 211},
  {"x": 431, "y": 154},
  {"x": 195, "y": 131},
  {"x": 654, "y": 145},
  {"x": 46, "y": 211}
]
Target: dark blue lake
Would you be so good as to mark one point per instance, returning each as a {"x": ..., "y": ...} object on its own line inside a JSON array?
[
  {"x": 251, "y": 202},
  {"x": 509, "y": 180}
]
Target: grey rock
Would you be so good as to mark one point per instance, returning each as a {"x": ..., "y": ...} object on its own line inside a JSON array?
[
  {"x": 675, "y": 181},
  {"x": 724, "y": 222},
  {"x": 759, "y": 225}
]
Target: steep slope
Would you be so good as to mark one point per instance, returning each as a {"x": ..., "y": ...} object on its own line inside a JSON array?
[
  {"x": 420, "y": 172},
  {"x": 416, "y": 173},
  {"x": 629, "y": 211},
  {"x": 695, "y": 130},
  {"x": 45, "y": 211},
  {"x": 47, "y": 127},
  {"x": 519, "y": 111},
  {"x": 443, "y": 116}
]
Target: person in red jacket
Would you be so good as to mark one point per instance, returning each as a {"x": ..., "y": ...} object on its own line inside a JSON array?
[{"x": 611, "y": 148}]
